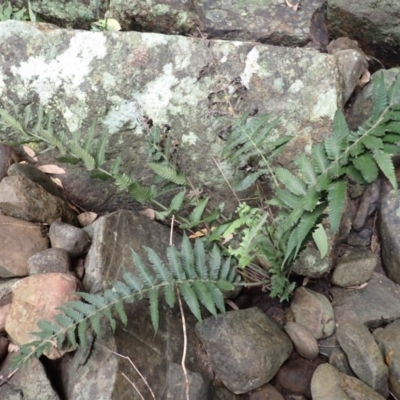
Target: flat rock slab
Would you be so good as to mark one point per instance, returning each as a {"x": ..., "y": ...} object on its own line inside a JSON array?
[
  {"x": 117, "y": 79},
  {"x": 245, "y": 348},
  {"x": 19, "y": 241},
  {"x": 374, "y": 305}
]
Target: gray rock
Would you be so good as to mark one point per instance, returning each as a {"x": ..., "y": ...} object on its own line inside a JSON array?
[
  {"x": 376, "y": 29},
  {"x": 352, "y": 63},
  {"x": 389, "y": 229},
  {"x": 70, "y": 238},
  {"x": 8, "y": 156},
  {"x": 22, "y": 198},
  {"x": 362, "y": 238},
  {"x": 113, "y": 237},
  {"x": 97, "y": 373},
  {"x": 169, "y": 88},
  {"x": 37, "y": 176},
  {"x": 50, "y": 260},
  {"x": 314, "y": 311},
  {"x": 20, "y": 240},
  {"x": 338, "y": 359},
  {"x": 356, "y": 266},
  {"x": 295, "y": 376},
  {"x": 309, "y": 263},
  {"x": 329, "y": 384},
  {"x": 368, "y": 204},
  {"x": 27, "y": 383},
  {"x": 388, "y": 340},
  {"x": 377, "y": 303},
  {"x": 303, "y": 340},
  {"x": 245, "y": 348},
  {"x": 364, "y": 355},
  {"x": 266, "y": 392}
]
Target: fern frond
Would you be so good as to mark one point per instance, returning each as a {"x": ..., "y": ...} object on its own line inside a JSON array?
[
  {"x": 177, "y": 201},
  {"x": 167, "y": 172},
  {"x": 82, "y": 154},
  {"x": 88, "y": 146},
  {"x": 176, "y": 265},
  {"x": 158, "y": 265},
  {"x": 200, "y": 259},
  {"x": 394, "y": 91},
  {"x": 385, "y": 164},
  {"x": 140, "y": 193},
  {"x": 367, "y": 166},
  {"x": 154, "y": 313},
  {"x": 291, "y": 181},
  {"x": 187, "y": 257},
  {"x": 306, "y": 168},
  {"x": 101, "y": 149},
  {"x": 340, "y": 127},
  {"x": 190, "y": 298},
  {"x": 249, "y": 180},
  {"x": 381, "y": 100},
  {"x": 333, "y": 147},
  {"x": 336, "y": 200}
]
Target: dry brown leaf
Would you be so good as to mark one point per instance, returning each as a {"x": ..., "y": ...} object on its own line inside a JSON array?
[
  {"x": 13, "y": 348},
  {"x": 305, "y": 281},
  {"x": 194, "y": 193},
  {"x": 365, "y": 78},
  {"x": 228, "y": 238},
  {"x": 51, "y": 169},
  {"x": 289, "y": 4},
  {"x": 30, "y": 152},
  {"x": 57, "y": 181},
  {"x": 86, "y": 218},
  {"x": 375, "y": 244},
  {"x": 149, "y": 213},
  {"x": 296, "y": 7},
  {"x": 388, "y": 358},
  {"x": 74, "y": 207},
  {"x": 358, "y": 287},
  {"x": 200, "y": 233}
]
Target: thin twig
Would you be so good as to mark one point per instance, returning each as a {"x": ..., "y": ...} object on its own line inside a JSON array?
[
  {"x": 226, "y": 179},
  {"x": 133, "y": 365},
  {"x": 171, "y": 243},
  {"x": 134, "y": 386},
  {"x": 184, "y": 345}
]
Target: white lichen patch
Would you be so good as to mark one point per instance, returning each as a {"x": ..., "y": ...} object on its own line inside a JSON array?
[
  {"x": 184, "y": 56},
  {"x": 296, "y": 87},
  {"x": 191, "y": 138},
  {"x": 2, "y": 84},
  {"x": 108, "y": 81},
  {"x": 68, "y": 70},
  {"x": 157, "y": 95},
  {"x": 153, "y": 39},
  {"x": 326, "y": 105},
  {"x": 251, "y": 67}
]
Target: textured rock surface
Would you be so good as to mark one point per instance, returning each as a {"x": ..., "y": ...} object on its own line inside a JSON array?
[
  {"x": 373, "y": 305},
  {"x": 50, "y": 260},
  {"x": 329, "y": 384},
  {"x": 245, "y": 348},
  {"x": 388, "y": 340},
  {"x": 364, "y": 356},
  {"x": 164, "y": 78},
  {"x": 356, "y": 266},
  {"x": 314, "y": 311},
  {"x": 303, "y": 340},
  {"x": 36, "y": 298},
  {"x": 113, "y": 237},
  {"x": 375, "y": 28},
  {"x": 19, "y": 241},
  {"x": 22, "y": 198}
]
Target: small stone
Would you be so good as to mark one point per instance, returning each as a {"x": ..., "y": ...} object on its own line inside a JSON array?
[
  {"x": 364, "y": 355},
  {"x": 74, "y": 240},
  {"x": 355, "y": 267},
  {"x": 303, "y": 340},
  {"x": 50, "y": 260},
  {"x": 314, "y": 311},
  {"x": 368, "y": 204},
  {"x": 19, "y": 241},
  {"x": 4, "y": 311},
  {"x": 339, "y": 360},
  {"x": 37, "y": 176},
  {"x": 267, "y": 392},
  {"x": 362, "y": 238}
]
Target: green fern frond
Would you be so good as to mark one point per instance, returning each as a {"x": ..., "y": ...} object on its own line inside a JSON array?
[
  {"x": 82, "y": 154},
  {"x": 88, "y": 146},
  {"x": 367, "y": 166},
  {"x": 381, "y": 98},
  {"x": 291, "y": 181},
  {"x": 385, "y": 164},
  {"x": 320, "y": 158},
  {"x": 176, "y": 265},
  {"x": 165, "y": 171},
  {"x": 177, "y": 201},
  {"x": 340, "y": 127},
  {"x": 336, "y": 201},
  {"x": 190, "y": 298},
  {"x": 333, "y": 148},
  {"x": 154, "y": 312},
  {"x": 140, "y": 193},
  {"x": 101, "y": 149},
  {"x": 307, "y": 170},
  {"x": 122, "y": 181},
  {"x": 200, "y": 259}
]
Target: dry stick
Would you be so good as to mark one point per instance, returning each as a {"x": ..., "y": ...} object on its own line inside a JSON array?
[
  {"x": 226, "y": 179},
  {"x": 171, "y": 230},
  {"x": 133, "y": 365},
  {"x": 134, "y": 386},
  {"x": 184, "y": 345}
]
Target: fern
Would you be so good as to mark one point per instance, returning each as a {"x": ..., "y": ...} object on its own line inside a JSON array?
[{"x": 199, "y": 283}]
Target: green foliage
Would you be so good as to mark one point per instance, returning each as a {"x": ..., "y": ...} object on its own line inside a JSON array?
[
  {"x": 7, "y": 11},
  {"x": 188, "y": 274},
  {"x": 318, "y": 185}
]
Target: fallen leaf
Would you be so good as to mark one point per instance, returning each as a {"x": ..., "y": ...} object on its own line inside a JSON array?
[
  {"x": 200, "y": 233},
  {"x": 149, "y": 213},
  {"x": 358, "y": 287},
  {"x": 76, "y": 209},
  {"x": 305, "y": 281},
  {"x": 296, "y": 7},
  {"x": 375, "y": 244},
  {"x": 86, "y": 218},
  {"x": 110, "y": 24},
  {"x": 51, "y": 169},
  {"x": 57, "y": 181},
  {"x": 228, "y": 238},
  {"x": 13, "y": 348},
  {"x": 388, "y": 358},
  {"x": 365, "y": 78},
  {"x": 289, "y": 4},
  {"x": 30, "y": 152}
]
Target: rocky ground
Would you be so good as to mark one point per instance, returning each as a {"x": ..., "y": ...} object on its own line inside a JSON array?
[{"x": 338, "y": 337}]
